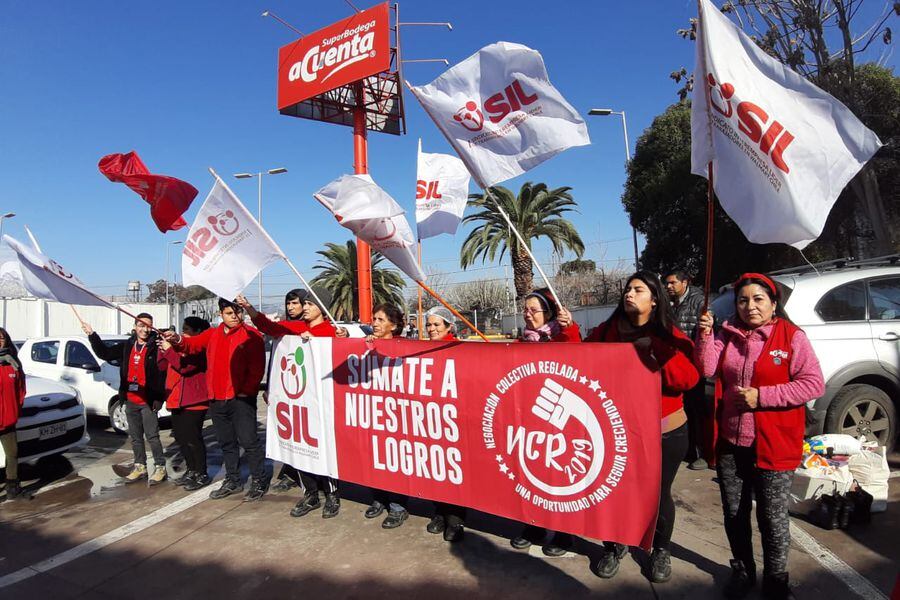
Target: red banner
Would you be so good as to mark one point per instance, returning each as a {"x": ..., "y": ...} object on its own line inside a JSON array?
[
  {"x": 333, "y": 56},
  {"x": 564, "y": 436}
]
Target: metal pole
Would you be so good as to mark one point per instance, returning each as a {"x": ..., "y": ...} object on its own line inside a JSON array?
[
  {"x": 361, "y": 167},
  {"x": 420, "y": 323},
  {"x": 259, "y": 218},
  {"x": 637, "y": 264}
]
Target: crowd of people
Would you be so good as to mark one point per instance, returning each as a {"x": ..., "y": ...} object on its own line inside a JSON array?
[{"x": 764, "y": 365}]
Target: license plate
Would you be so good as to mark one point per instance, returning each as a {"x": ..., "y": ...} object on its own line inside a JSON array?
[{"x": 49, "y": 431}]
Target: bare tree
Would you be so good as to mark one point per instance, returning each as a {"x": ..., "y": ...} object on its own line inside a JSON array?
[
  {"x": 591, "y": 288},
  {"x": 487, "y": 296}
]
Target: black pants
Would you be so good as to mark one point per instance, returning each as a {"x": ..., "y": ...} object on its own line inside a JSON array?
[
  {"x": 739, "y": 481},
  {"x": 395, "y": 502},
  {"x": 696, "y": 409},
  {"x": 674, "y": 445},
  {"x": 187, "y": 427},
  {"x": 312, "y": 483},
  {"x": 289, "y": 472},
  {"x": 453, "y": 514},
  {"x": 235, "y": 424}
]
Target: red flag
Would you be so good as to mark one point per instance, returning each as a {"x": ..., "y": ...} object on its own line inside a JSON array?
[{"x": 168, "y": 197}]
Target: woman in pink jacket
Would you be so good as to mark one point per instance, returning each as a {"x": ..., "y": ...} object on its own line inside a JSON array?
[{"x": 768, "y": 371}]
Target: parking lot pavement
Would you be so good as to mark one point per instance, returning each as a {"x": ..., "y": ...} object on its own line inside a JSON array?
[{"x": 86, "y": 535}]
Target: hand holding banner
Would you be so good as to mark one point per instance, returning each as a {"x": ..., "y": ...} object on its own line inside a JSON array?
[
  {"x": 226, "y": 247},
  {"x": 500, "y": 112},
  {"x": 781, "y": 148},
  {"x": 376, "y": 218}
]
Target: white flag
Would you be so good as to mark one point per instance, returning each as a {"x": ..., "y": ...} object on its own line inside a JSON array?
[
  {"x": 226, "y": 248},
  {"x": 782, "y": 149},
  {"x": 500, "y": 112},
  {"x": 45, "y": 278},
  {"x": 376, "y": 218},
  {"x": 442, "y": 190}
]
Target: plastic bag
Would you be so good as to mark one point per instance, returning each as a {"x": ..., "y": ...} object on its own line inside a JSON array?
[
  {"x": 840, "y": 443},
  {"x": 870, "y": 469}
]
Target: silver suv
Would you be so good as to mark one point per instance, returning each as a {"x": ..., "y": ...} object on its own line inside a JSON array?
[{"x": 850, "y": 311}]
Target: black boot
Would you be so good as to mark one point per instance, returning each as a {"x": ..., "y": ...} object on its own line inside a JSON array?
[
  {"x": 742, "y": 580},
  {"x": 776, "y": 587},
  {"x": 332, "y": 506},
  {"x": 437, "y": 524},
  {"x": 306, "y": 505},
  {"x": 660, "y": 568}
]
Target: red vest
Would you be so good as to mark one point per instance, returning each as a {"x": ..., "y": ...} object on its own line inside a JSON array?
[
  {"x": 779, "y": 431},
  {"x": 137, "y": 375}
]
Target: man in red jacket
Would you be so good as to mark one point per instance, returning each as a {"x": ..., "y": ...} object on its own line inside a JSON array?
[{"x": 236, "y": 362}]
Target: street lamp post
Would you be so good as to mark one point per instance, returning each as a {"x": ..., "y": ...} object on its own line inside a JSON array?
[
  {"x": 259, "y": 176},
  {"x": 168, "y": 306},
  {"x": 8, "y": 215},
  {"x": 603, "y": 112}
]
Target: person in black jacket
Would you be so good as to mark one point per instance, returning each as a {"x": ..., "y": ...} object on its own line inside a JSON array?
[
  {"x": 687, "y": 304},
  {"x": 143, "y": 387}
]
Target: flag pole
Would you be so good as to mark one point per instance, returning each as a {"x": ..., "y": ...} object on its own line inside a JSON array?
[
  {"x": 77, "y": 316},
  {"x": 311, "y": 290},
  {"x": 419, "y": 318},
  {"x": 452, "y": 310},
  {"x": 710, "y": 214}
]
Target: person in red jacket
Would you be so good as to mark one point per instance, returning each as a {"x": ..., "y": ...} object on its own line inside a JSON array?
[
  {"x": 643, "y": 318},
  {"x": 448, "y": 519},
  {"x": 312, "y": 323},
  {"x": 188, "y": 402},
  {"x": 768, "y": 371},
  {"x": 236, "y": 363},
  {"x": 12, "y": 396},
  {"x": 545, "y": 321}
]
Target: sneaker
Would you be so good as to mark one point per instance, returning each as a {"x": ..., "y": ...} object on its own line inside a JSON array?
[
  {"x": 776, "y": 587},
  {"x": 699, "y": 465},
  {"x": 660, "y": 565},
  {"x": 394, "y": 519},
  {"x": 228, "y": 487},
  {"x": 199, "y": 481},
  {"x": 332, "y": 506},
  {"x": 184, "y": 479},
  {"x": 742, "y": 580},
  {"x": 454, "y": 533},
  {"x": 138, "y": 472},
  {"x": 436, "y": 525},
  {"x": 531, "y": 535},
  {"x": 306, "y": 505},
  {"x": 258, "y": 489},
  {"x": 285, "y": 484},
  {"x": 608, "y": 564},
  {"x": 374, "y": 510},
  {"x": 159, "y": 475},
  {"x": 558, "y": 545}
]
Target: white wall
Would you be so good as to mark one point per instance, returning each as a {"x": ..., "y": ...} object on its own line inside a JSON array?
[{"x": 30, "y": 317}]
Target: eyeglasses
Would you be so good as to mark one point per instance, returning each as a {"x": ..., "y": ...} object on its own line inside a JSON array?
[{"x": 531, "y": 311}]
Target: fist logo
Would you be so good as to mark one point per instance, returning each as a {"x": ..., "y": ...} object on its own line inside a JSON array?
[
  {"x": 293, "y": 374},
  {"x": 470, "y": 116},
  {"x": 224, "y": 223},
  {"x": 554, "y": 404},
  {"x": 720, "y": 95}
]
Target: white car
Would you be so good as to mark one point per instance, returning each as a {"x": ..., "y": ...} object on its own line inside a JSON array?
[
  {"x": 851, "y": 314},
  {"x": 51, "y": 421},
  {"x": 70, "y": 360}
]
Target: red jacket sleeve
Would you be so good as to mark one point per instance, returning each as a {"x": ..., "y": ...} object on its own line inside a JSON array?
[
  {"x": 184, "y": 366},
  {"x": 597, "y": 334},
  {"x": 280, "y": 328},
  {"x": 675, "y": 357},
  {"x": 20, "y": 392},
  {"x": 195, "y": 343},
  {"x": 572, "y": 333}
]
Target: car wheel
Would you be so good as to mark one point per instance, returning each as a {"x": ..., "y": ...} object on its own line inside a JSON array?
[
  {"x": 117, "y": 417},
  {"x": 864, "y": 410}
]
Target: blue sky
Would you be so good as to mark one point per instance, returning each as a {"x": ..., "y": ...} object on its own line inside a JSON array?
[{"x": 192, "y": 84}]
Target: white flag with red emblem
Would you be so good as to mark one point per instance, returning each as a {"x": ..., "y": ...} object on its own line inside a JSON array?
[
  {"x": 781, "y": 148},
  {"x": 374, "y": 217},
  {"x": 226, "y": 247},
  {"x": 45, "y": 278},
  {"x": 500, "y": 112},
  {"x": 442, "y": 190}
]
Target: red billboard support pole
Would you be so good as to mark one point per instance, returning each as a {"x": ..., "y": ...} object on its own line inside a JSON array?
[{"x": 361, "y": 167}]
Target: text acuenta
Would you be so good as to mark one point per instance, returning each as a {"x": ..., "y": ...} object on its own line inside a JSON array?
[
  {"x": 497, "y": 107},
  {"x": 427, "y": 190},
  {"x": 205, "y": 239},
  {"x": 337, "y": 56},
  {"x": 753, "y": 121}
]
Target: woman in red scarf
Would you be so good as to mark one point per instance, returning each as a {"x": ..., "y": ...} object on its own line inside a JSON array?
[
  {"x": 12, "y": 396},
  {"x": 768, "y": 371}
]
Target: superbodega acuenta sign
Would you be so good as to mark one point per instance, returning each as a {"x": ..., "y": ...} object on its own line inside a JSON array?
[
  {"x": 566, "y": 436},
  {"x": 347, "y": 51}
]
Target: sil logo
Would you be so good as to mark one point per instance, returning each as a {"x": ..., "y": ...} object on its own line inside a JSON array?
[
  {"x": 224, "y": 223},
  {"x": 498, "y": 106},
  {"x": 293, "y": 374}
]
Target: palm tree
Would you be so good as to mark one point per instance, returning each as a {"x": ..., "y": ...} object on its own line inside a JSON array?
[
  {"x": 536, "y": 212},
  {"x": 338, "y": 276}
]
